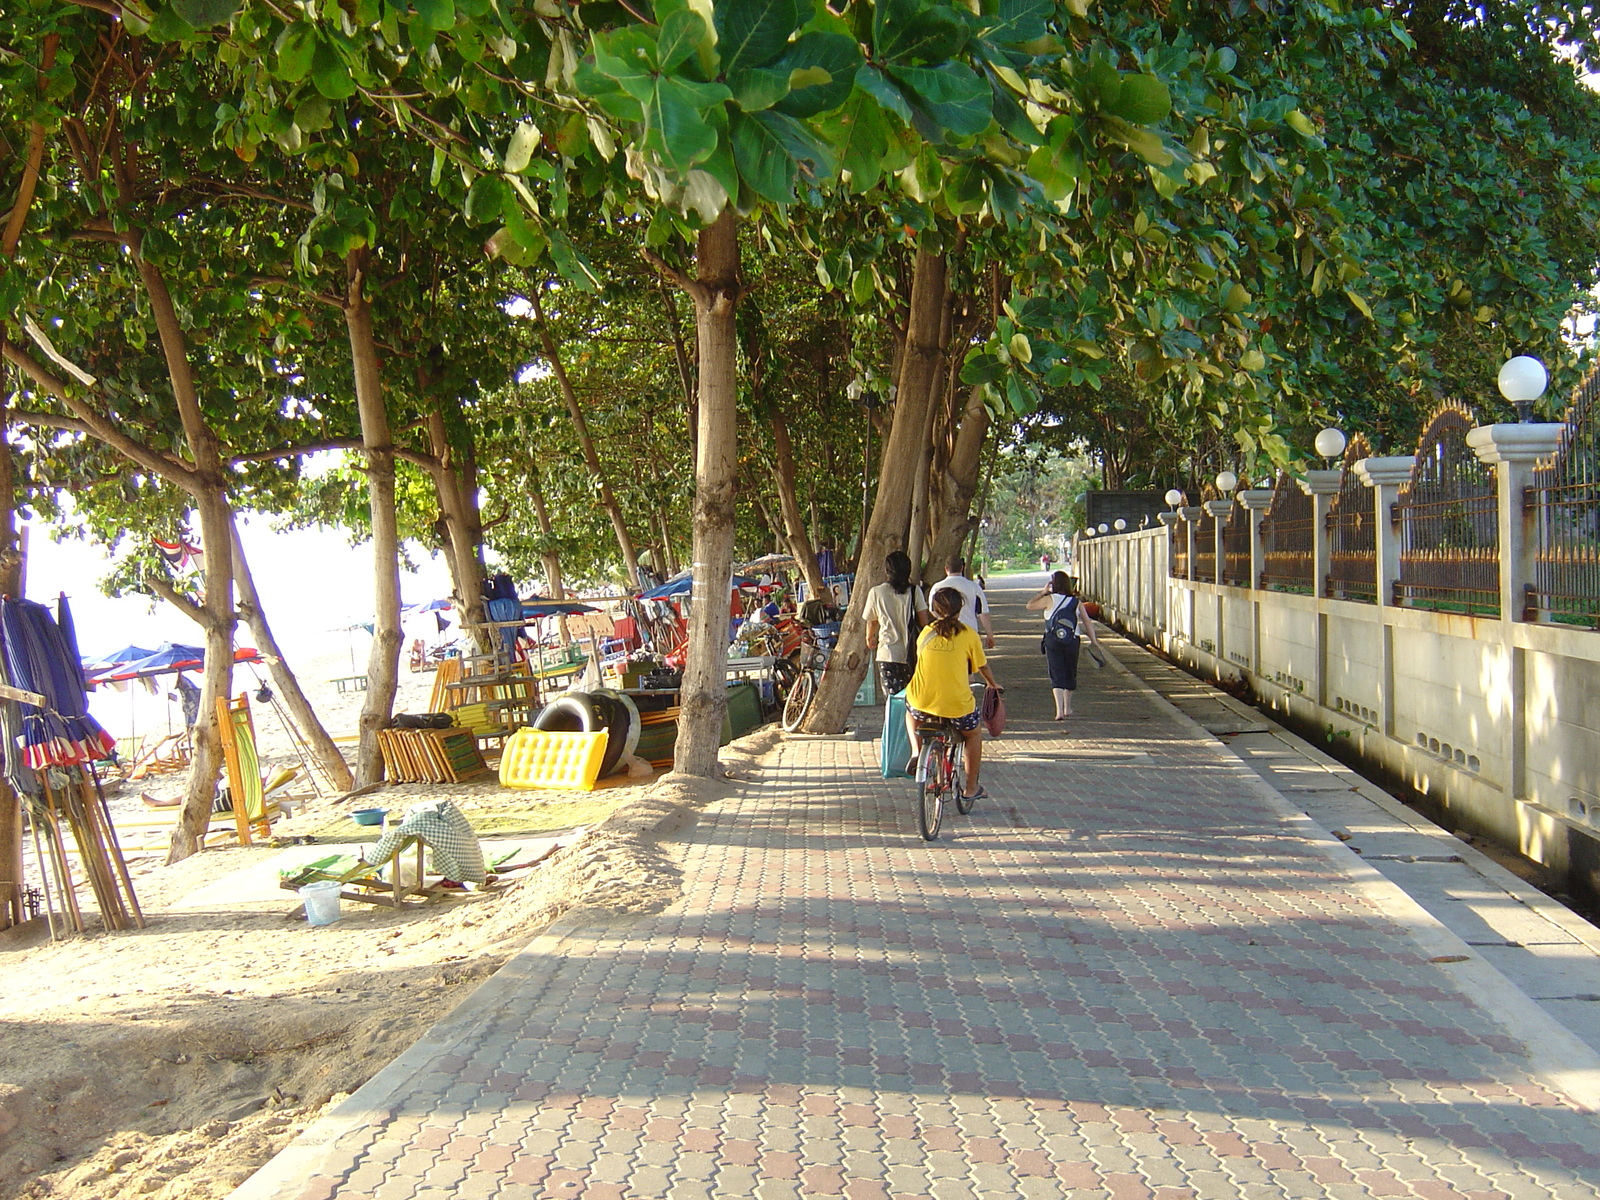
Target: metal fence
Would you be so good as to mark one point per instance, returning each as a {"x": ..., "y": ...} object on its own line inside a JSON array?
[
  {"x": 1205, "y": 547},
  {"x": 1449, "y": 524},
  {"x": 1288, "y": 552},
  {"x": 1179, "y": 558},
  {"x": 1236, "y": 547},
  {"x": 1564, "y": 501},
  {"x": 1352, "y": 534}
]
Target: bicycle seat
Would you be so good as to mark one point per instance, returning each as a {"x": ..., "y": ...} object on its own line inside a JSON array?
[{"x": 938, "y": 725}]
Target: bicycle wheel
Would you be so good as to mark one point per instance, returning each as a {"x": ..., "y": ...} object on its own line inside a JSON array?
[
  {"x": 958, "y": 780},
  {"x": 784, "y": 674},
  {"x": 798, "y": 702},
  {"x": 930, "y": 789}
]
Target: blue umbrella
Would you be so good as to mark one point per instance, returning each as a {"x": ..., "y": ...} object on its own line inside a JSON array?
[
  {"x": 169, "y": 656},
  {"x": 40, "y": 658},
  {"x": 683, "y": 584},
  {"x": 117, "y": 658},
  {"x": 538, "y": 606}
]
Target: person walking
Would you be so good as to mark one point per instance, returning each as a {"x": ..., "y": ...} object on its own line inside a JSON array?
[
  {"x": 948, "y": 652},
  {"x": 1065, "y": 625},
  {"x": 896, "y": 612},
  {"x": 974, "y": 604}
]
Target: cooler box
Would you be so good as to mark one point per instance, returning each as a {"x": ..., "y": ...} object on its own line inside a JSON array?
[
  {"x": 894, "y": 747},
  {"x": 744, "y": 710}
]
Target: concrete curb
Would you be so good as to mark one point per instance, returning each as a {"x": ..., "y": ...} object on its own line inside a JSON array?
[{"x": 1554, "y": 1053}]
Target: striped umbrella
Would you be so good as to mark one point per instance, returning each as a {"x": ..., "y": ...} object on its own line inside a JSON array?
[{"x": 40, "y": 658}]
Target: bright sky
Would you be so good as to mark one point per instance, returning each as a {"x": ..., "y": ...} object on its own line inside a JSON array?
[{"x": 311, "y": 582}]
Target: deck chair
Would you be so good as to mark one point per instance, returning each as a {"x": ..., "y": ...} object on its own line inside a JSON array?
[
  {"x": 250, "y": 809},
  {"x": 170, "y": 753},
  {"x": 364, "y": 881}
]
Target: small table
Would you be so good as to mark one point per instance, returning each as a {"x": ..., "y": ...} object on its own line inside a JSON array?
[{"x": 351, "y": 683}]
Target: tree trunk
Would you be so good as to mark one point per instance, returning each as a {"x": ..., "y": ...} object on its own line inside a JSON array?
[
  {"x": 305, "y": 719},
  {"x": 789, "y": 504},
  {"x": 705, "y": 693},
  {"x": 548, "y": 555},
  {"x": 669, "y": 555},
  {"x": 383, "y": 664},
  {"x": 608, "y": 498},
  {"x": 216, "y": 615},
  {"x": 954, "y": 517},
  {"x": 919, "y": 377},
  {"x": 455, "y": 482},
  {"x": 12, "y": 911}
]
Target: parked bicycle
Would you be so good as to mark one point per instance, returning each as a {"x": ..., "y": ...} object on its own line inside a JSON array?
[
  {"x": 803, "y": 689},
  {"x": 940, "y": 774}
]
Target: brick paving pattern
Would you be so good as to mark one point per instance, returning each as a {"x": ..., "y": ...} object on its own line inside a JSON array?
[{"x": 1124, "y": 976}]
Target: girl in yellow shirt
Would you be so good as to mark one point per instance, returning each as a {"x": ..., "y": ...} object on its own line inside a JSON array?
[{"x": 948, "y": 652}]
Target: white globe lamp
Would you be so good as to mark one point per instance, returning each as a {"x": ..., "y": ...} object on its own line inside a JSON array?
[
  {"x": 1119, "y": 525},
  {"x": 1226, "y": 482},
  {"x": 1174, "y": 497},
  {"x": 1104, "y": 528},
  {"x": 1330, "y": 443},
  {"x": 1522, "y": 381}
]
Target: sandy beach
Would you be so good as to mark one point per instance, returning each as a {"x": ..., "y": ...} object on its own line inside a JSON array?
[{"x": 172, "y": 1061}]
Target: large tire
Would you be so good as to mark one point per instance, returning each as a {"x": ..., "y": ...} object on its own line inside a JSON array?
[
  {"x": 631, "y": 742},
  {"x": 580, "y": 712}
]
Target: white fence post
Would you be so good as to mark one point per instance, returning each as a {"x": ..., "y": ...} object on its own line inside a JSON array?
[
  {"x": 1386, "y": 476},
  {"x": 1512, "y": 450}
]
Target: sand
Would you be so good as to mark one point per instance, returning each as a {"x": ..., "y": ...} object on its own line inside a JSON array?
[{"x": 173, "y": 1061}]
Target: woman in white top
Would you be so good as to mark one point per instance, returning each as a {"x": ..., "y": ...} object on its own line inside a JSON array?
[
  {"x": 896, "y": 611},
  {"x": 1061, "y": 637}
]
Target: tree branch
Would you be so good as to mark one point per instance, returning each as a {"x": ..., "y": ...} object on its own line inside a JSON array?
[
  {"x": 101, "y": 428},
  {"x": 178, "y": 600},
  {"x": 689, "y": 285},
  {"x": 415, "y": 457}
]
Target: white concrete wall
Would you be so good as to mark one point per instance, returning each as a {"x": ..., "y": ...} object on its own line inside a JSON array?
[{"x": 1498, "y": 722}]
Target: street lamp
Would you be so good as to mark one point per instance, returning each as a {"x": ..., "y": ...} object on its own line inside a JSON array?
[
  {"x": 1104, "y": 528},
  {"x": 1226, "y": 482},
  {"x": 1089, "y": 532},
  {"x": 1330, "y": 444},
  {"x": 1119, "y": 525},
  {"x": 1174, "y": 497},
  {"x": 1522, "y": 381}
]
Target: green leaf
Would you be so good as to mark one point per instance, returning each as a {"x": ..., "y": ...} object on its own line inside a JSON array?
[
  {"x": 833, "y": 53},
  {"x": 627, "y": 56},
  {"x": 314, "y": 113},
  {"x": 1356, "y": 299},
  {"x": 1020, "y": 21},
  {"x": 873, "y": 82},
  {"x": 910, "y": 31},
  {"x": 771, "y": 151},
  {"x": 488, "y": 199},
  {"x": 1143, "y": 142},
  {"x": 680, "y": 36},
  {"x": 751, "y": 33},
  {"x": 296, "y": 46},
  {"x": 203, "y": 14},
  {"x": 759, "y": 89},
  {"x": 1142, "y": 99},
  {"x": 331, "y": 74},
  {"x": 861, "y": 136},
  {"x": 1252, "y": 360},
  {"x": 981, "y": 367},
  {"x": 435, "y": 15},
  {"x": 952, "y": 95},
  {"x": 676, "y": 129}
]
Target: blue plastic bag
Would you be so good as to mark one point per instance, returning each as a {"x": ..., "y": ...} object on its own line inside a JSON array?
[{"x": 894, "y": 747}]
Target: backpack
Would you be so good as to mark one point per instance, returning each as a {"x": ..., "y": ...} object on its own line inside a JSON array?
[{"x": 1062, "y": 627}]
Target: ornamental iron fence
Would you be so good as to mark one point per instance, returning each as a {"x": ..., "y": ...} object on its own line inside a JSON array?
[
  {"x": 1563, "y": 499},
  {"x": 1449, "y": 523},
  {"x": 1288, "y": 550},
  {"x": 1179, "y": 557},
  {"x": 1352, "y": 533},
  {"x": 1236, "y": 547}
]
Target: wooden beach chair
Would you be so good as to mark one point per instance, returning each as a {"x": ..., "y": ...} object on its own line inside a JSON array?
[
  {"x": 250, "y": 809},
  {"x": 170, "y": 753}
]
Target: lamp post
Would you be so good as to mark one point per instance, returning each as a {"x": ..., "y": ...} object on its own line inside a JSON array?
[
  {"x": 1522, "y": 381},
  {"x": 1321, "y": 486},
  {"x": 1119, "y": 524},
  {"x": 1220, "y": 511}
]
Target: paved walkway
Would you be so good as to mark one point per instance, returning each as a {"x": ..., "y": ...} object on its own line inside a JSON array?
[{"x": 1135, "y": 972}]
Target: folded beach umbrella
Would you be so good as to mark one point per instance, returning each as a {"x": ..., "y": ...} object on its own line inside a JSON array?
[{"x": 39, "y": 658}]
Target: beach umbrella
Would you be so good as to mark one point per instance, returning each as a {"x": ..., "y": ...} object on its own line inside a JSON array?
[
  {"x": 39, "y": 658},
  {"x": 538, "y": 606},
  {"x": 169, "y": 656},
  {"x": 682, "y": 585}
]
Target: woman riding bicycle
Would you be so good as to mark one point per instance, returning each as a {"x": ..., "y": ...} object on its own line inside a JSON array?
[{"x": 948, "y": 652}]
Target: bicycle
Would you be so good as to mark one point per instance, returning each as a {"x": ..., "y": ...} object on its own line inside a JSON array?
[
  {"x": 803, "y": 688},
  {"x": 939, "y": 771}
]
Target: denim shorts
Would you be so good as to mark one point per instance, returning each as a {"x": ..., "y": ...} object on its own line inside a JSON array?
[{"x": 964, "y": 724}]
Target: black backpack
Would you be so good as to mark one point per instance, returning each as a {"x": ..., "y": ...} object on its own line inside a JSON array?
[{"x": 1062, "y": 628}]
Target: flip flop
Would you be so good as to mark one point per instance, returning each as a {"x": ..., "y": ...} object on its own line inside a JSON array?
[{"x": 980, "y": 794}]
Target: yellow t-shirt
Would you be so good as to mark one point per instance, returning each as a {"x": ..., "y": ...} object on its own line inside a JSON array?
[{"x": 944, "y": 666}]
